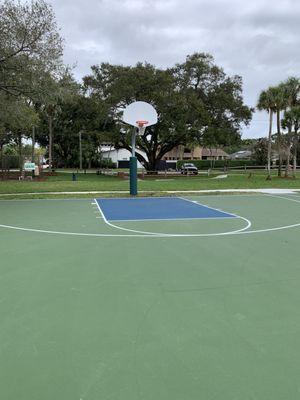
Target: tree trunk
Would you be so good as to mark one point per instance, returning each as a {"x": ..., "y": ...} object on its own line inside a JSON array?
[
  {"x": 270, "y": 144},
  {"x": 50, "y": 122},
  {"x": 20, "y": 153},
  {"x": 295, "y": 145},
  {"x": 33, "y": 144},
  {"x": 279, "y": 143},
  {"x": 211, "y": 158},
  {"x": 152, "y": 162},
  {"x": 2, "y": 161},
  {"x": 288, "y": 158}
]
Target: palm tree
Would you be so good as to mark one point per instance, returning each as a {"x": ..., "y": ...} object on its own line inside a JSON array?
[
  {"x": 291, "y": 121},
  {"x": 291, "y": 90},
  {"x": 266, "y": 102},
  {"x": 281, "y": 104}
]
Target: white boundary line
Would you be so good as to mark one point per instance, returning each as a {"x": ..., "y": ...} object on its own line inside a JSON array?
[
  {"x": 281, "y": 197},
  {"x": 69, "y": 233},
  {"x": 279, "y": 228},
  {"x": 118, "y": 227},
  {"x": 171, "y": 219},
  {"x": 198, "y": 193},
  {"x": 184, "y": 192},
  {"x": 210, "y": 208},
  {"x": 207, "y": 195}
]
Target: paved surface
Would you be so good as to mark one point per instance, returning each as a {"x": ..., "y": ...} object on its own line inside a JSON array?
[{"x": 143, "y": 317}]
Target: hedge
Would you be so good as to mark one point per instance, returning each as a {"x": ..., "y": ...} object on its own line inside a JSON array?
[
  {"x": 10, "y": 162},
  {"x": 206, "y": 164}
]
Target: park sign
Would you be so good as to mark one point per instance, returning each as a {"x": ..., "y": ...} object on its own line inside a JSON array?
[{"x": 28, "y": 166}]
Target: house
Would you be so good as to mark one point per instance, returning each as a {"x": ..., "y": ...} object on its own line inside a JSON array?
[
  {"x": 214, "y": 154},
  {"x": 196, "y": 153},
  {"x": 183, "y": 153},
  {"x": 120, "y": 157},
  {"x": 241, "y": 155}
]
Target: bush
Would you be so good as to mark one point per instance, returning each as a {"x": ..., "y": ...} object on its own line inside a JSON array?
[
  {"x": 10, "y": 162},
  {"x": 106, "y": 163}
]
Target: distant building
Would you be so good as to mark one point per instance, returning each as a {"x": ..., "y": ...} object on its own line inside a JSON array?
[
  {"x": 196, "y": 153},
  {"x": 120, "y": 157},
  {"x": 214, "y": 154},
  {"x": 241, "y": 155},
  {"x": 183, "y": 153}
]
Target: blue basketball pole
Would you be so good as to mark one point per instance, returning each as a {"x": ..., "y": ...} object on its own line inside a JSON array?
[{"x": 133, "y": 168}]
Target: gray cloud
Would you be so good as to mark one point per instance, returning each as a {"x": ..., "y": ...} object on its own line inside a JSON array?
[{"x": 258, "y": 40}]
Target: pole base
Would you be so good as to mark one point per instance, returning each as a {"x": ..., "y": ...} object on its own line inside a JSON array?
[{"x": 133, "y": 176}]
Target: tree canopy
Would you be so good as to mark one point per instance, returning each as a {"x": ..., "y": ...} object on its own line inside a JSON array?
[
  {"x": 30, "y": 46},
  {"x": 283, "y": 98},
  {"x": 196, "y": 102}
]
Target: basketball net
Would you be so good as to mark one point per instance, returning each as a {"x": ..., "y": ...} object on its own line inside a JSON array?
[{"x": 141, "y": 126}]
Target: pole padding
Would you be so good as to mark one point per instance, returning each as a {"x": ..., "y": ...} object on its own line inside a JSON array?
[{"x": 133, "y": 176}]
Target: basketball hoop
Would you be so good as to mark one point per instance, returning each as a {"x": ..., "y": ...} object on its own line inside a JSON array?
[
  {"x": 140, "y": 115},
  {"x": 141, "y": 123},
  {"x": 142, "y": 126}
]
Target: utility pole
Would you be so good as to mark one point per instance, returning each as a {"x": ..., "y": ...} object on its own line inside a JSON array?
[
  {"x": 50, "y": 141},
  {"x": 33, "y": 144},
  {"x": 80, "y": 152}
]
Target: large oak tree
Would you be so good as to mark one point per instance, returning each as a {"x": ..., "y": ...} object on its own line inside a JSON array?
[{"x": 196, "y": 102}]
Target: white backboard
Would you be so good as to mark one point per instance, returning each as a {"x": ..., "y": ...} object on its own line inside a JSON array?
[{"x": 140, "y": 111}]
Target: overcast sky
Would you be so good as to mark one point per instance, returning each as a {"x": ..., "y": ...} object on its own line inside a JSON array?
[{"x": 257, "y": 39}]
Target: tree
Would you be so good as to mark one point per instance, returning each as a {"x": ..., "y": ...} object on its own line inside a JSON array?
[
  {"x": 5, "y": 138},
  {"x": 76, "y": 114},
  {"x": 30, "y": 46},
  {"x": 55, "y": 92},
  {"x": 16, "y": 120},
  {"x": 291, "y": 121},
  {"x": 260, "y": 151},
  {"x": 195, "y": 100},
  {"x": 291, "y": 89},
  {"x": 267, "y": 102},
  {"x": 30, "y": 56},
  {"x": 281, "y": 103}
]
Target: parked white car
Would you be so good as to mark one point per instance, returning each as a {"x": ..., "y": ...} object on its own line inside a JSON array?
[{"x": 189, "y": 168}]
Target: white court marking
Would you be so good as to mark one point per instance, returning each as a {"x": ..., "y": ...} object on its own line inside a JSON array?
[
  {"x": 211, "y": 208},
  {"x": 281, "y": 197},
  {"x": 158, "y": 235}
]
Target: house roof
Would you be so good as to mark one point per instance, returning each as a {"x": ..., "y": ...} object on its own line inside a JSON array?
[
  {"x": 241, "y": 154},
  {"x": 213, "y": 152}
]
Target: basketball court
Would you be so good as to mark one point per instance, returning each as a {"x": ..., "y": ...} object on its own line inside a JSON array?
[{"x": 193, "y": 297}]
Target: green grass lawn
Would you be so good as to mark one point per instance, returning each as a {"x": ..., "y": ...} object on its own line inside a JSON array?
[{"x": 62, "y": 182}]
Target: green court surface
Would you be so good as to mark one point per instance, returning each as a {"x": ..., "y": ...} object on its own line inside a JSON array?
[{"x": 189, "y": 310}]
